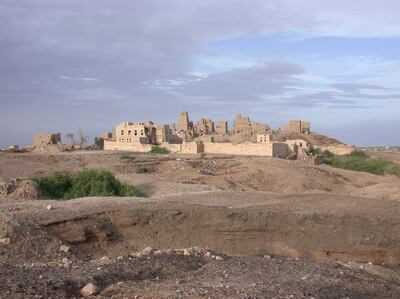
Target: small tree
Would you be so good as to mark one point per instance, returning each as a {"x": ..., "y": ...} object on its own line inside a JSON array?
[
  {"x": 82, "y": 138},
  {"x": 70, "y": 136},
  {"x": 99, "y": 143}
]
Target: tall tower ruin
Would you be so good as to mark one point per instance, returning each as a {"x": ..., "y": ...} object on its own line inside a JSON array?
[{"x": 183, "y": 123}]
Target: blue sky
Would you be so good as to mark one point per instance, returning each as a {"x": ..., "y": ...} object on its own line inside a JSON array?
[
  {"x": 70, "y": 65},
  {"x": 366, "y": 62}
]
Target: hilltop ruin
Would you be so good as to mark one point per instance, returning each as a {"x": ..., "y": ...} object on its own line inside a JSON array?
[{"x": 206, "y": 136}]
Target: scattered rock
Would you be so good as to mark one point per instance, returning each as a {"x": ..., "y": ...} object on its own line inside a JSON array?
[
  {"x": 5, "y": 241},
  {"x": 64, "y": 248},
  {"x": 19, "y": 188},
  {"x": 89, "y": 290},
  {"x": 49, "y": 207},
  {"x": 145, "y": 252}
]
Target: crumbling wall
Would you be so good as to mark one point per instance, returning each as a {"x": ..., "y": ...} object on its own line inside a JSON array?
[
  {"x": 204, "y": 127},
  {"x": 107, "y": 135},
  {"x": 43, "y": 139},
  {"x": 221, "y": 127},
  {"x": 173, "y": 148},
  {"x": 297, "y": 143},
  {"x": 246, "y": 130},
  {"x": 297, "y": 126}
]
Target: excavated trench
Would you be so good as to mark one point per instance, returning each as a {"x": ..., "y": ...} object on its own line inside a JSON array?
[{"x": 314, "y": 234}]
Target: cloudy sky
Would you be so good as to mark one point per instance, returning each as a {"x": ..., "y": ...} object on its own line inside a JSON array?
[{"x": 67, "y": 65}]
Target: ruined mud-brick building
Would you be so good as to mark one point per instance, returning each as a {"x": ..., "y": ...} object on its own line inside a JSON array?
[
  {"x": 244, "y": 127},
  {"x": 297, "y": 126},
  {"x": 45, "y": 139},
  {"x": 221, "y": 127},
  {"x": 190, "y": 139},
  {"x": 204, "y": 127},
  {"x": 138, "y": 136}
]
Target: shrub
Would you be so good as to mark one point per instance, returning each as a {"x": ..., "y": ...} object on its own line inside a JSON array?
[
  {"x": 99, "y": 143},
  {"x": 85, "y": 183},
  {"x": 54, "y": 186},
  {"x": 360, "y": 161},
  {"x": 159, "y": 150},
  {"x": 393, "y": 168},
  {"x": 142, "y": 170},
  {"x": 358, "y": 154}
]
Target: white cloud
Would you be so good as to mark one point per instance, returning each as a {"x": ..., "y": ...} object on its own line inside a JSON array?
[{"x": 79, "y": 78}]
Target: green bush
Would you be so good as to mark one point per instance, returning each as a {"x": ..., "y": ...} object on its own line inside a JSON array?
[
  {"x": 85, "y": 183},
  {"x": 99, "y": 143},
  {"x": 360, "y": 161},
  {"x": 142, "y": 170},
  {"x": 54, "y": 186},
  {"x": 159, "y": 150}
]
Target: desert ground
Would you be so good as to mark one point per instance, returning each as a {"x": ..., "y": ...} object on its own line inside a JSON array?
[{"x": 210, "y": 227}]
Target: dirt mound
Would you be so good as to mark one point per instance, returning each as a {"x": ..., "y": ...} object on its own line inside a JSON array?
[
  {"x": 49, "y": 149},
  {"x": 19, "y": 189},
  {"x": 382, "y": 191},
  {"x": 313, "y": 138},
  {"x": 171, "y": 174},
  {"x": 274, "y": 175}
]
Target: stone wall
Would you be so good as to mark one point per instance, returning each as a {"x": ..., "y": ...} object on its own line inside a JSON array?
[
  {"x": 132, "y": 147},
  {"x": 272, "y": 149},
  {"x": 191, "y": 147}
]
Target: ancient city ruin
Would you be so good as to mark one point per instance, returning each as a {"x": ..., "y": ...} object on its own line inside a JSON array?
[{"x": 208, "y": 136}]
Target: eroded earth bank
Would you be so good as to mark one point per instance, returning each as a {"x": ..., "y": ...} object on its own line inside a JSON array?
[{"x": 214, "y": 227}]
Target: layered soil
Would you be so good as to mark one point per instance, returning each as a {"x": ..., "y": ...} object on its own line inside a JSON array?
[{"x": 254, "y": 228}]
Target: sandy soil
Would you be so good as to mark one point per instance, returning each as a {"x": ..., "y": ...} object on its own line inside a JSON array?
[
  {"x": 324, "y": 232},
  {"x": 181, "y": 174}
]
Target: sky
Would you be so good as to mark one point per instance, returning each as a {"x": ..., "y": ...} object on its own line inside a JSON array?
[{"x": 86, "y": 65}]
